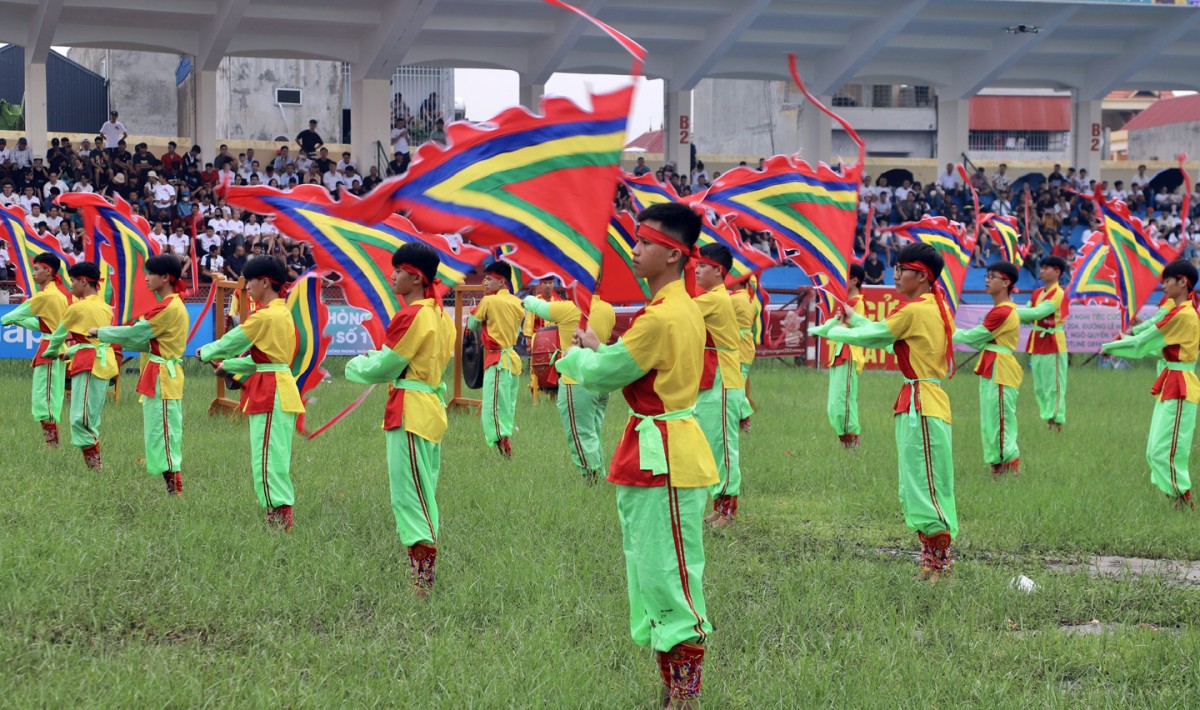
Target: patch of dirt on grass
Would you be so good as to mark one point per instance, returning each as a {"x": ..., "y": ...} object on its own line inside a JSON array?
[{"x": 1178, "y": 571}]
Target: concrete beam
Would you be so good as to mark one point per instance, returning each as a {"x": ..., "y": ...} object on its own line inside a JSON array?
[
  {"x": 1105, "y": 76},
  {"x": 205, "y": 134},
  {"x": 677, "y": 128},
  {"x": 970, "y": 77},
  {"x": 570, "y": 27},
  {"x": 370, "y": 113},
  {"x": 41, "y": 30},
  {"x": 384, "y": 48},
  {"x": 531, "y": 95},
  {"x": 693, "y": 65},
  {"x": 215, "y": 39},
  {"x": 36, "y": 121},
  {"x": 862, "y": 46}
]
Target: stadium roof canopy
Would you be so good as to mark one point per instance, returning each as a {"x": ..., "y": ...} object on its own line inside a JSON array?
[{"x": 959, "y": 46}]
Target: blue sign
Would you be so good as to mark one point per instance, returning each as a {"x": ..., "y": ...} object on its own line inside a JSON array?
[{"x": 20, "y": 344}]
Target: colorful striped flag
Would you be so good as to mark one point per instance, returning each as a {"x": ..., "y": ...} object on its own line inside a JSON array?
[
  {"x": 360, "y": 254},
  {"x": 122, "y": 241},
  {"x": 520, "y": 279},
  {"x": 760, "y": 299},
  {"x": 618, "y": 283},
  {"x": 646, "y": 190},
  {"x": 1092, "y": 275},
  {"x": 955, "y": 246},
  {"x": 1138, "y": 259},
  {"x": 747, "y": 259},
  {"x": 1007, "y": 236},
  {"x": 24, "y": 244},
  {"x": 311, "y": 317}
]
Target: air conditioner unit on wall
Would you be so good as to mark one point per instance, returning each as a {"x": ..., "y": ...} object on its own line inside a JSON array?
[{"x": 289, "y": 97}]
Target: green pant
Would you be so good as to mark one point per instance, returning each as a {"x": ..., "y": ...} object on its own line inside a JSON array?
[
  {"x": 48, "y": 384},
  {"x": 747, "y": 407},
  {"x": 1050, "y": 386},
  {"x": 271, "y": 456},
  {"x": 413, "y": 467},
  {"x": 499, "y": 403},
  {"x": 842, "y": 406},
  {"x": 162, "y": 431},
  {"x": 582, "y": 413},
  {"x": 719, "y": 411},
  {"x": 87, "y": 404},
  {"x": 1169, "y": 444},
  {"x": 998, "y": 421},
  {"x": 664, "y": 564},
  {"x": 926, "y": 461}
]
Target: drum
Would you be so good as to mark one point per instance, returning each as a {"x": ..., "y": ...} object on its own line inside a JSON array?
[
  {"x": 542, "y": 355},
  {"x": 472, "y": 360}
]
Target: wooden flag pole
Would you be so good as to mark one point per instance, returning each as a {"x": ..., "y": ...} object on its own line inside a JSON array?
[
  {"x": 222, "y": 404},
  {"x": 457, "y": 401}
]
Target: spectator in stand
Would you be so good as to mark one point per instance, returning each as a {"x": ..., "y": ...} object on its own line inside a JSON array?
[
  {"x": 65, "y": 237},
  {"x": 143, "y": 161},
  {"x": 874, "y": 269},
  {"x": 352, "y": 181},
  {"x": 907, "y": 210},
  {"x": 346, "y": 162},
  {"x": 9, "y": 197},
  {"x": 192, "y": 158},
  {"x": 295, "y": 263},
  {"x": 395, "y": 166},
  {"x": 400, "y": 146},
  {"x": 438, "y": 134},
  {"x": 54, "y": 218},
  {"x": 172, "y": 162},
  {"x": 282, "y": 159},
  {"x": 212, "y": 265},
  {"x": 324, "y": 162},
  {"x": 29, "y": 199},
  {"x": 40, "y": 174},
  {"x": 223, "y": 158},
  {"x": 237, "y": 261},
  {"x": 1002, "y": 205},
  {"x": 208, "y": 240},
  {"x": 180, "y": 244},
  {"x": 184, "y": 208},
  {"x": 949, "y": 181},
  {"x": 35, "y": 219},
  {"x": 371, "y": 180},
  {"x": 267, "y": 229},
  {"x": 430, "y": 111},
  {"x": 20, "y": 157},
  {"x": 54, "y": 186},
  {"x": 159, "y": 235},
  {"x": 980, "y": 182},
  {"x": 332, "y": 180},
  {"x": 309, "y": 140},
  {"x": 84, "y": 184},
  {"x": 121, "y": 160},
  {"x": 4, "y": 151},
  {"x": 113, "y": 131},
  {"x": 163, "y": 198},
  {"x": 252, "y": 232},
  {"x": 1001, "y": 181},
  {"x": 641, "y": 168}
]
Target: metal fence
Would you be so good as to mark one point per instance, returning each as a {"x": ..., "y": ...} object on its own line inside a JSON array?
[
  {"x": 422, "y": 95},
  {"x": 1025, "y": 141}
]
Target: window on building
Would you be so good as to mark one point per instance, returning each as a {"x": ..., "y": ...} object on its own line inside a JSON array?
[{"x": 881, "y": 96}]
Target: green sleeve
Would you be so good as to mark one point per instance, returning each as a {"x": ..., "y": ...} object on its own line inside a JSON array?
[
  {"x": 608, "y": 368},
  {"x": 1152, "y": 321},
  {"x": 1029, "y": 314},
  {"x": 134, "y": 337},
  {"x": 1144, "y": 344},
  {"x": 239, "y": 366},
  {"x": 231, "y": 345},
  {"x": 870, "y": 335},
  {"x": 857, "y": 320},
  {"x": 473, "y": 323},
  {"x": 57, "y": 338},
  {"x": 21, "y": 316},
  {"x": 376, "y": 367},
  {"x": 976, "y": 337},
  {"x": 537, "y": 307}
]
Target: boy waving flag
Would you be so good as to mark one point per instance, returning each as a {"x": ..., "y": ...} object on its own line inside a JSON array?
[{"x": 498, "y": 317}]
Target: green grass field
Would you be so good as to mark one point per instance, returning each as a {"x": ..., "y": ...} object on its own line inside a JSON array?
[{"x": 114, "y": 595}]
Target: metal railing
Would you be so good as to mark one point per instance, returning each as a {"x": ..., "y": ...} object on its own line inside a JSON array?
[{"x": 1019, "y": 141}]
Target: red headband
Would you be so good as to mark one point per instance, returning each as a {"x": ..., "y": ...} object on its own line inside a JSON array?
[
  {"x": 936, "y": 290},
  {"x": 701, "y": 259},
  {"x": 281, "y": 289},
  {"x": 656, "y": 237},
  {"x": 432, "y": 289}
]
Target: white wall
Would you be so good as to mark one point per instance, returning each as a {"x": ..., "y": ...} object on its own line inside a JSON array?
[
  {"x": 141, "y": 87},
  {"x": 1165, "y": 142},
  {"x": 246, "y": 94}
]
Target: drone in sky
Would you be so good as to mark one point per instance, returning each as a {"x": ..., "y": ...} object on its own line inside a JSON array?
[{"x": 1022, "y": 29}]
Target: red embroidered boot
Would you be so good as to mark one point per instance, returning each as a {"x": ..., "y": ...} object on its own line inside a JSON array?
[
  {"x": 170, "y": 479},
  {"x": 178, "y": 476},
  {"x": 712, "y": 517},
  {"x": 91, "y": 457},
  {"x": 727, "y": 510},
  {"x": 285, "y": 517},
  {"x": 745, "y": 425},
  {"x": 1184, "y": 502},
  {"x": 937, "y": 558},
  {"x": 50, "y": 433},
  {"x": 681, "y": 669},
  {"x": 504, "y": 447},
  {"x": 422, "y": 557}
]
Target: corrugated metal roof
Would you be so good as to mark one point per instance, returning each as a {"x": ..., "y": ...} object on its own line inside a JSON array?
[
  {"x": 1020, "y": 113},
  {"x": 1164, "y": 112},
  {"x": 650, "y": 141}
]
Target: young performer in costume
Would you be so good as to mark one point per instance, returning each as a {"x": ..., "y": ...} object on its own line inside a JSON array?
[
  {"x": 161, "y": 335},
  {"x": 662, "y": 465},
  {"x": 1047, "y": 346},
  {"x": 498, "y": 316},
  {"x": 418, "y": 345},
  {"x": 743, "y": 306},
  {"x": 43, "y": 312},
  {"x": 534, "y": 323},
  {"x": 269, "y": 395},
  {"x": 580, "y": 409},
  {"x": 999, "y": 372},
  {"x": 92, "y": 363},
  {"x": 845, "y": 364},
  {"x": 722, "y": 386},
  {"x": 1176, "y": 338},
  {"x": 921, "y": 331}
]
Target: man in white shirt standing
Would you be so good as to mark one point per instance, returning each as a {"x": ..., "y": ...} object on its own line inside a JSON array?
[
  {"x": 164, "y": 197},
  {"x": 948, "y": 180},
  {"x": 113, "y": 131}
]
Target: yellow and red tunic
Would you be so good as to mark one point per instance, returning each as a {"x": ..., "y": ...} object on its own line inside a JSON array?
[
  {"x": 1047, "y": 311},
  {"x": 566, "y": 315},
  {"x": 48, "y": 307},
  {"x": 270, "y": 336},
  {"x": 658, "y": 363},
  {"x": 840, "y": 353},
  {"x": 743, "y": 306},
  {"x": 1001, "y": 328},
  {"x": 500, "y": 315},
  {"x": 722, "y": 346},
  {"x": 91, "y": 355},
  {"x": 422, "y": 338}
]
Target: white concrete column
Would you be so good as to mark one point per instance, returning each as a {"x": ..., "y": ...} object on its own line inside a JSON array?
[
  {"x": 531, "y": 95},
  {"x": 953, "y": 130},
  {"x": 205, "y": 120},
  {"x": 1087, "y": 136},
  {"x": 37, "y": 125},
  {"x": 816, "y": 133},
  {"x": 678, "y": 130},
  {"x": 370, "y": 110}
]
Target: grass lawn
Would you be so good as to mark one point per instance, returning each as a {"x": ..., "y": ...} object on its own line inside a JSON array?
[{"x": 112, "y": 594}]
